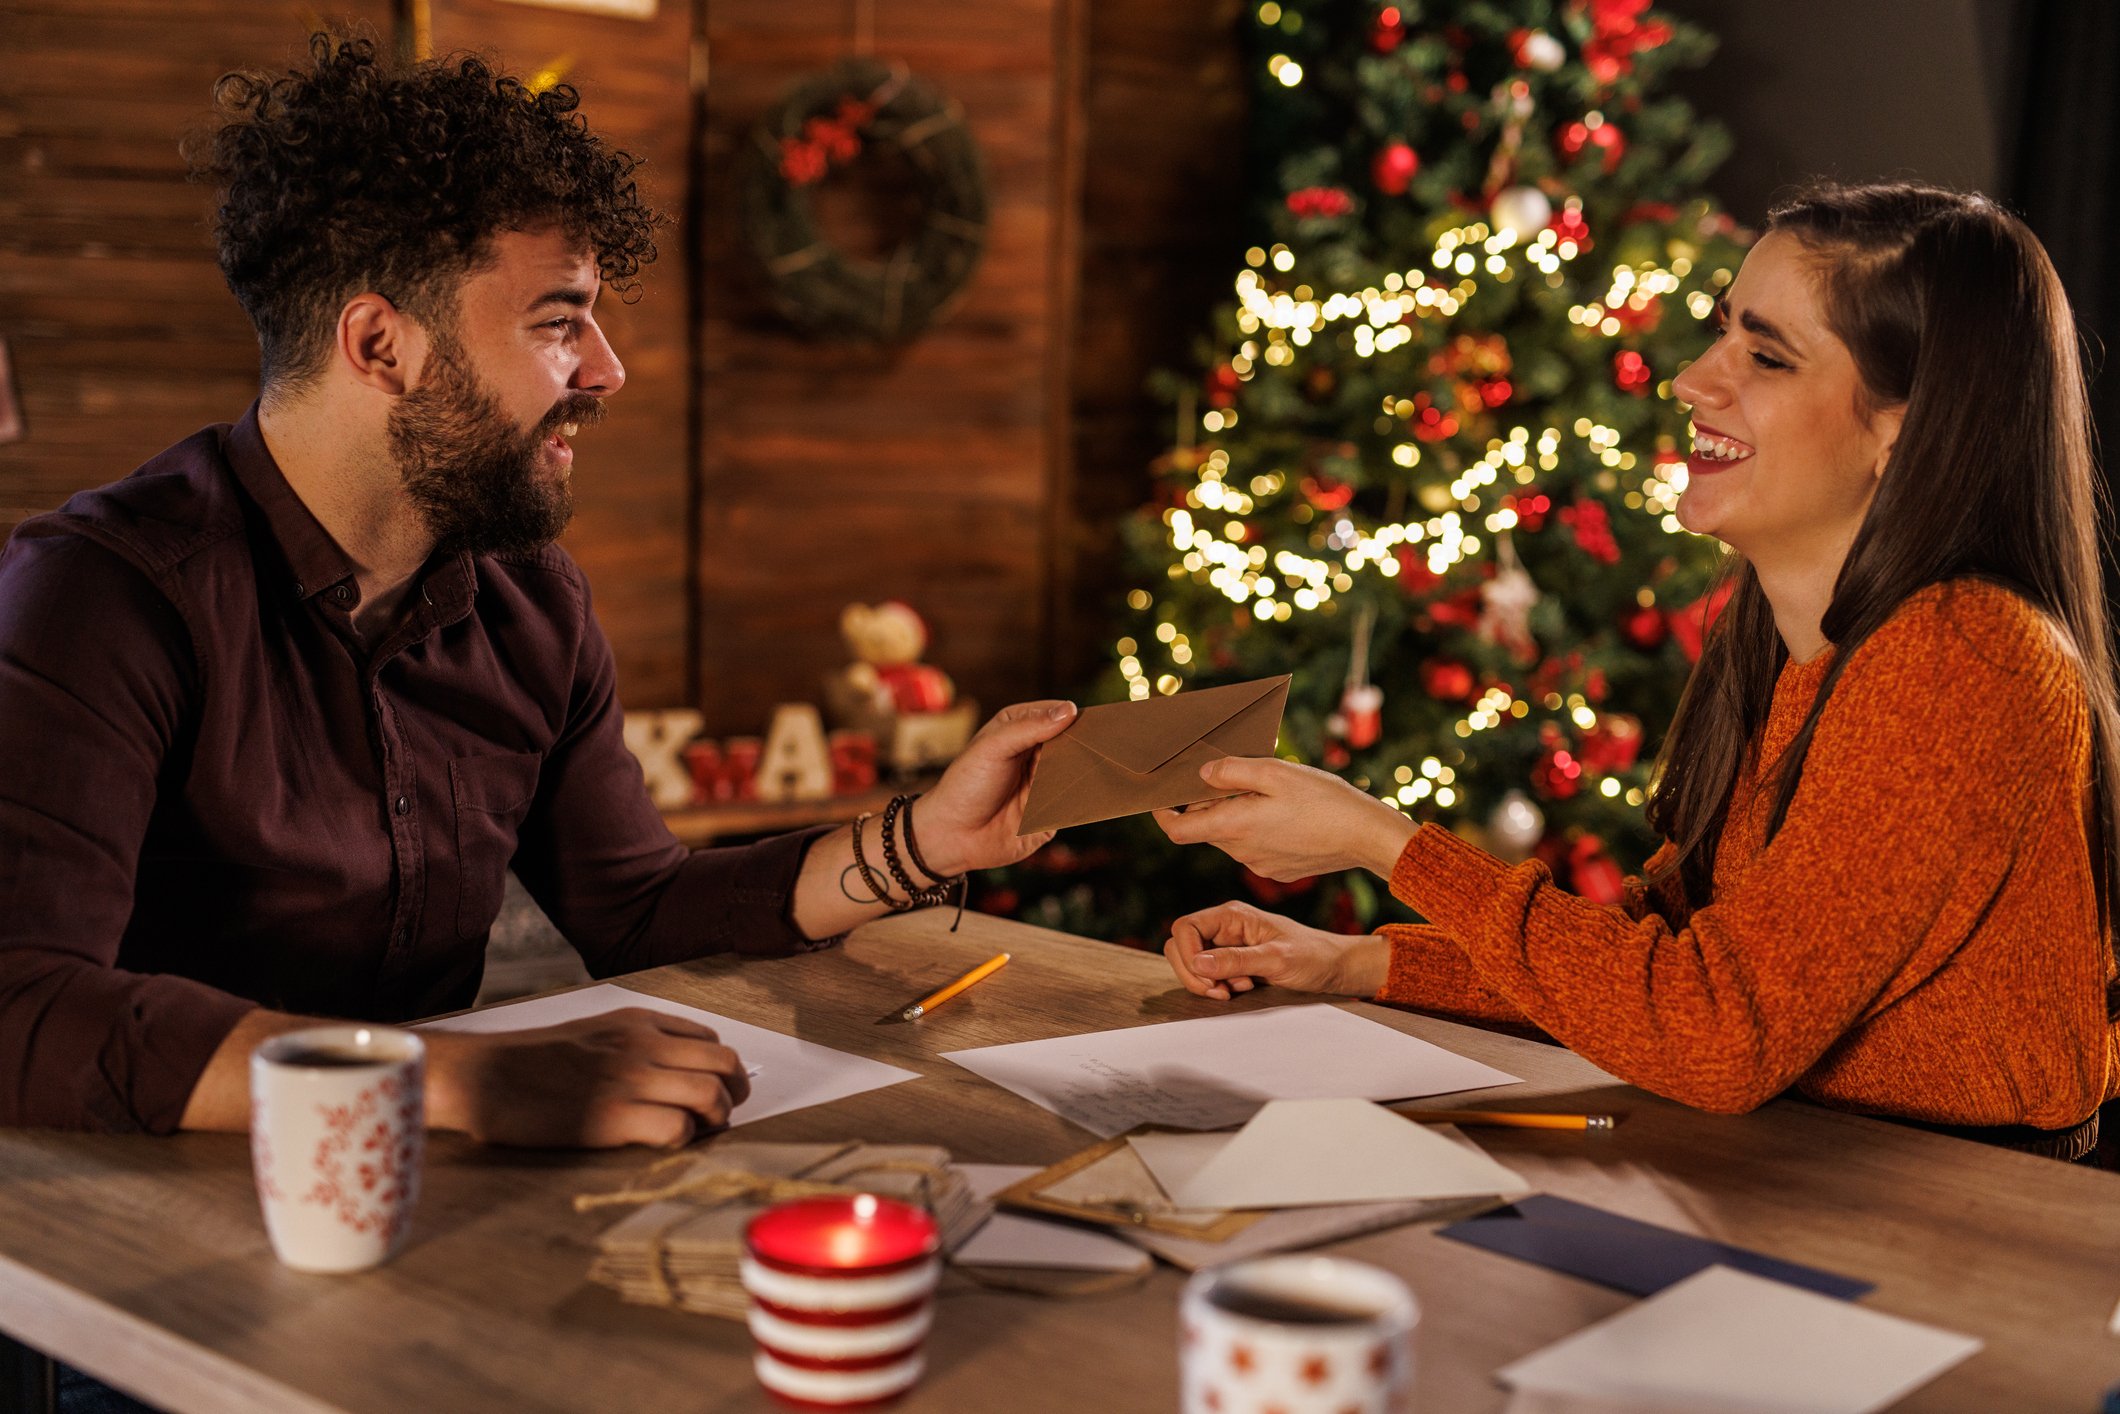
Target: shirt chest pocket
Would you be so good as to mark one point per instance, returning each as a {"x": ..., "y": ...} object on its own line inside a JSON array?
[{"x": 491, "y": 794}]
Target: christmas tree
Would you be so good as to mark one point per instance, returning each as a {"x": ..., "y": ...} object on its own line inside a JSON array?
[{"x": 1431, "y": 466}]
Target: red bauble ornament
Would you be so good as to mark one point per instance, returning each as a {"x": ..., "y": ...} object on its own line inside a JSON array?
[
  {"x": 1605, "y": 137},
  {"x": 1530, "y": 511},
  {"x": 1414, "y": 576},
  {"x": 1429, "y": 422},
  {"x": 1592, "y": 525},
  {"x": 1613, "y": 745},
  {"x": 1631, "y": 373},
  {"x": 1390, "y": 31},
  {"x": 1690, "y": 625},
  {"x": 1596, "y": 877},
  {"x": 1222, "y": 386},
  {"x": 1326, "y": 494},
  {"x": 1558, "y": 775},
  {"x": 1644, "y": 628},
  {"x": 1320, "y": 202},
  {"x": 1447, "y": 680},
  {"x": 1394, "y": 167}
]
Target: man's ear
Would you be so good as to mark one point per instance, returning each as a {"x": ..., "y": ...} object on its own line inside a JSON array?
[
  {"x": 378, "y": 344},
  {"x": 1886, "y": 425}
]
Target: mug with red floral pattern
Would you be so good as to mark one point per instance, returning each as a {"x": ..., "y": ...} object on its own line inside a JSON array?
[
  {"x": 1298, "y": 1335},
  {"x": 338, "y": 1132}
]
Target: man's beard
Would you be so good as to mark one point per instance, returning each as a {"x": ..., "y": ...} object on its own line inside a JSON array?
[{"x": 479, "y": 482}]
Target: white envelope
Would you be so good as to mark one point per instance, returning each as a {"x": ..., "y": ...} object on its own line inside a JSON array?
[
  {"x": 1014, "y": 1240},
  {"x": 1311, "y": 1153},
  {"x": 1727, "y": 1340}
]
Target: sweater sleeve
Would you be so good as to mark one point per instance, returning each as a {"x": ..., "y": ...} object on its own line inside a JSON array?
[
  {"x": 1932, "y": 754},
  {"x": 1430, "y": 972}
]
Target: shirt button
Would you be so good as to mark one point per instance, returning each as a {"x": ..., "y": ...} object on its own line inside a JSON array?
[
  {"x": 340, "y": 594},
  {"x": 403, "y": 805}
]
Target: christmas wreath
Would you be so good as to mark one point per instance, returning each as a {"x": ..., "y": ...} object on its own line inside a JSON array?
[{"x": 825, "y": 123}]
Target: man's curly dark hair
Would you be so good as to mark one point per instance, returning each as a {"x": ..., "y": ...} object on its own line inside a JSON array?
[{"x": 355, "y": 175}]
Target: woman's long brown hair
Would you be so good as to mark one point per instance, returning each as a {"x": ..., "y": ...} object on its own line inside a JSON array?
[{"x": 1952, "y": 310}]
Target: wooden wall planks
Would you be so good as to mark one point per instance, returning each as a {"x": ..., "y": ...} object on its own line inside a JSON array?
[
  {"x": 1163, "y": 234},
  {"x": 835, "y": 473},
  {"x": 749, "y": 482},
  {"x": 123, "y": 337}
]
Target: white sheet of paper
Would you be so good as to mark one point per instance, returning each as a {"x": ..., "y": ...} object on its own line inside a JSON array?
[
  {"x": 1310, "y": 1153},
  {"x": 1727, "y": 1340},
  {"x": 1215, "y": 1071},
  {"x": 791, "y": 1074},
  {"x": 1015, "y": 1240}
]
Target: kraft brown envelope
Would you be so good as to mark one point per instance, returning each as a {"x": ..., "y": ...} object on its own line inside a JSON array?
[{"x": 1129, "y": 757}]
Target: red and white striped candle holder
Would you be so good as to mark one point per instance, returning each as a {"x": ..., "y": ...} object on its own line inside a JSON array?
[{"x": 842, "y": 1294}]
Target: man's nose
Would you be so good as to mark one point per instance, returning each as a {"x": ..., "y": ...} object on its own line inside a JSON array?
[{"x": 599, "y": 373}]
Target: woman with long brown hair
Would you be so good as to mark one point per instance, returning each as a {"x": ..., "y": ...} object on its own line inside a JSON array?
[{"x": 1888, "y": 798}]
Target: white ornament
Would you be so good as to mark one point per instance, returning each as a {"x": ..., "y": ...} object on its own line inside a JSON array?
[
  {"x": 1522, "y": 210},
  {"x": 1515, "y": 828},
  {"x": 1506, "y": 602},
  {"x": 1543, "y": 52}
]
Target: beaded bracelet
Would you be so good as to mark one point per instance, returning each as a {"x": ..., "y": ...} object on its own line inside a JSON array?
[
  {"x": 916, "y": 896},
  {"x": 912, "y": 845},
  {"x": 900, "y": 811},
  {"x": 868, "y": 876}
]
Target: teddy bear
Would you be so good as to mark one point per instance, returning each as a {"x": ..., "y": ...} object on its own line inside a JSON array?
[{"x": 911, "y": 707}]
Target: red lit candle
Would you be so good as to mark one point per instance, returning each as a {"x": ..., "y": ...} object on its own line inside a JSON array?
[
  {"x": 832, "y": 1236},
  {"x": 841, "y": 1298}
]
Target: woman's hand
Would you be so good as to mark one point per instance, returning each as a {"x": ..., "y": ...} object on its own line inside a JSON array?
[
  {"x": 969, "y": 819},
  {"x": 1233, "y": 946},
  {"x": 1296, "y": 821}
]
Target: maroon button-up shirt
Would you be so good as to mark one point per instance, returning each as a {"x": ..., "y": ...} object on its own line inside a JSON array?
[{"x": 213, "y": 796}]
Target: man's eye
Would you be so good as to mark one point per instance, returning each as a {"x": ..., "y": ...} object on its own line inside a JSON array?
[{"x": 560, "y": 324}]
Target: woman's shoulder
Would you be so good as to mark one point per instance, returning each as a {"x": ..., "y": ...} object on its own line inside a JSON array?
[{"x": 1973, "y": 633}]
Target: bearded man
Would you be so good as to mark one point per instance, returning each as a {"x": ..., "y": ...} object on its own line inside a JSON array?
[{"x": 283, "y": 706}]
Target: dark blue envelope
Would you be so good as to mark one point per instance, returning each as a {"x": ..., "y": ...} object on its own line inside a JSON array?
[{"x": 1636, "y": 1257}]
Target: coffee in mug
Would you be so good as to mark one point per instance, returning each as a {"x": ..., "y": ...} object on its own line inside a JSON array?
[{"x": 1297, "y": 1334}]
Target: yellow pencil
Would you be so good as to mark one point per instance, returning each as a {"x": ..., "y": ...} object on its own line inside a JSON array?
[
  {"x": 935, "y": 999},
  {"x": 1509, "y": 1119}
]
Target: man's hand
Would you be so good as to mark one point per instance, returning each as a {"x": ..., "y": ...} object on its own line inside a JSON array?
[
  {"x": 1233, "y": 946},
  {"x": 627, "y": 1077},
  {"x": 1296, "y": 820},
  {"x": 968, "y": 821}
]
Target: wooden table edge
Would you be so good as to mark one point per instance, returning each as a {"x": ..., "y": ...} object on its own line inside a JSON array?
[{"x": 134, "y": 1354}]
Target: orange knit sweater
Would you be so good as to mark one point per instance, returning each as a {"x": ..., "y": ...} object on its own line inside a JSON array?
[{"x": 1921, "y": 939}]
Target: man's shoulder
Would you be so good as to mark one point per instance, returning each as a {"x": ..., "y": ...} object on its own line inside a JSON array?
[
  {"x": 172, "y": 507},
  {"x": 545, "y": 575}
]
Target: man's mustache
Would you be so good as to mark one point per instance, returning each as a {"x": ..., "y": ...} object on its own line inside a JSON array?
[{"x": 578, "y": 408}]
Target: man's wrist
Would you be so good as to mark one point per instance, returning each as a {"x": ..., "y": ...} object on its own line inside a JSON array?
[{"x": 935, "y": 855}]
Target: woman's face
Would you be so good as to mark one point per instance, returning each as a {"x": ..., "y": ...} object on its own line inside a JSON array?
[{"x": 1785, "y": 458}]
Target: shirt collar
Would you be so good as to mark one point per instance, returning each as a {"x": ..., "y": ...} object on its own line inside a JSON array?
[{"x": 314, "y": 559}]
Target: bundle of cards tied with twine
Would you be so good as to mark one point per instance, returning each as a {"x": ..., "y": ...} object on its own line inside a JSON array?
[{"x": 683, "y": 1245}]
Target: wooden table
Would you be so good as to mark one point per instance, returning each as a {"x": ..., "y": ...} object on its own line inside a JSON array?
[{"x": 144, "y": 1260}]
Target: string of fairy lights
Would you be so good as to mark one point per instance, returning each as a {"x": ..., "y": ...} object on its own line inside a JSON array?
[{"x": 1214, "y": 545}]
